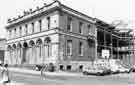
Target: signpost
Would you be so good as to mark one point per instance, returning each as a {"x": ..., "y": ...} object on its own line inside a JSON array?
[{"x": 105, "y": 53}]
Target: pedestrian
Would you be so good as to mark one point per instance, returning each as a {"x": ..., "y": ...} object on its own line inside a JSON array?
[
  {"x": 42, "y": 71},
  {"x": 1, "y": 73},
  {"x": 6, "y": 78}
]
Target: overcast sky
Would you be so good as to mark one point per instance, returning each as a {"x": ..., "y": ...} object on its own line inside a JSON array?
[{"x": 107, "y": 10}]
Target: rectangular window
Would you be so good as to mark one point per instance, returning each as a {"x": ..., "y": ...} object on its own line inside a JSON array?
[
  {"x": 20, "y": 31},
  {"x": 26, "y": 28},
  {"x": 80, "y": 48},
  {"x": 69, "y": 67},
  {"x": 80, "y": 27},
  {"x": 15, "y": 32},
  {"x": 32, "y": 27},
  {"x": 69, "y": 24},
  {"x": 48, "y": 22},
  {"x": 10, "y": 33},
  {"x": 40, "y": 51},
  {"x": 69, "y": 47},
  {"x": 89, "y": 28},
  {"x": 40, "y": 25}
]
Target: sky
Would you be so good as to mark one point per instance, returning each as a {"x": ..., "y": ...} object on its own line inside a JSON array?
[{"x": 106, "y": 10}]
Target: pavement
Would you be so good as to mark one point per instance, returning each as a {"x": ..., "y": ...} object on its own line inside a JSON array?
[
  {"x": 67, "y": 78},
  {"x": 58, "y": 73},
  {"x": 67, "y": 74}
]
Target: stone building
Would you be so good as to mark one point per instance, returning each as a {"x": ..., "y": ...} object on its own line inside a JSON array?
[{"x": 53, "y": 33}]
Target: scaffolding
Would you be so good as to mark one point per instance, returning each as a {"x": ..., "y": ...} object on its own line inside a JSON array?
[
  {"x": 127, "y": 35},
  {"x": 120, "y": 42}
]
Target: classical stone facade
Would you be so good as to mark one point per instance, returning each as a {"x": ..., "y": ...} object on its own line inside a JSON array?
[{"x": 53, "y": 33}]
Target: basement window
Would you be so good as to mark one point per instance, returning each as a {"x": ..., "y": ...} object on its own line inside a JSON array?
[
  {"x": 61, "y": 67},
  {"x": 80, "y": 67},
  {"x": 69, "y": 67}
]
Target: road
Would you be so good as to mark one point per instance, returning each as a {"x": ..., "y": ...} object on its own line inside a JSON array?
[{"x": 27, "y": 79}]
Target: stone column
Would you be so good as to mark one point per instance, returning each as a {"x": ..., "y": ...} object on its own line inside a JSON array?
[
  {"x": 96, "y": 44},
  {"x": 111, "y": 47},
  {"x": 104, "y": 38},
  {"x": 117, "y": 49}
]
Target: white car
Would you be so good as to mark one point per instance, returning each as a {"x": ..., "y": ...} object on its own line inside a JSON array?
[
  {"x": 122, "y": 69},
  {"x": 92, "y": 70}
]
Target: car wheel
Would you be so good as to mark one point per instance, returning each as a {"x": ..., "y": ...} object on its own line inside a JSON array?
[{"x": 98, "y": 74}]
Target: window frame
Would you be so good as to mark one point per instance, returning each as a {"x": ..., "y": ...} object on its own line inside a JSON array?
[
  {"x": 26, "y": 29},
  {"x": 69, "y": 47},
  {"x": 40, "y": 25},
  {"x": 48, "y": 22},
  {"x": 69, "y": 24},
  {"x": 81, "y": 27},
  {"x": 20, "y": 31},
  {"x": 32, "y": 27},
  {"x": 81, "y": 49}
]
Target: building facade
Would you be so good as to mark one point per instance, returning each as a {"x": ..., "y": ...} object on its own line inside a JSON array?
[{"x": 53, "y": 33}]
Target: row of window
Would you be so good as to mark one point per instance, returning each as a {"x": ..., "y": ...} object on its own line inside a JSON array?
[
  {"x": 14, "y": 33},
  {"x": 69, "y": 67},
  {"x": 69, "y": 48},
  {"x": 70, "y": 25},
  {"x": 24, "y": 31}
]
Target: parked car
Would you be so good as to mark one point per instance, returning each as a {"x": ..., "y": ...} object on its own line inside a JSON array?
[
  {"x": 95, "y": 71},
  {"x": 132, "y": 70},
  {"x": 114, "y": 70},
  {"x": 123, "y": 70}
]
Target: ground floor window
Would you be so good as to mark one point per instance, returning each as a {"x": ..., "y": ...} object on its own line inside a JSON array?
[
  {"x": 61, "y": 67},
  {"x": 80, "y": 67},
  {"x": 69, "y": 47},
  {"x": 68, "y": 67}
]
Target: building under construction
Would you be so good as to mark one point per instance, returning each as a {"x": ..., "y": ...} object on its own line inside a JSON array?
[{"x": 115, "y": 43}]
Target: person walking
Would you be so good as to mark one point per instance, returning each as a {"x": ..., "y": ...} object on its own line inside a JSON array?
[
  {"x": 6, "y": 78},
  {"x": 1, "y": 73},
  {"x": 43, "y": 70}
]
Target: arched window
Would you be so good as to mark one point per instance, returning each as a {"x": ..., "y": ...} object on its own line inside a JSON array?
[
  {"x": 14, "y": 46},
  {"x": 39, "y": 43},
  {"x": 31, "y": 43},
  {"x": 47, "y": 42},
  {"x": 9, "y": 47}
]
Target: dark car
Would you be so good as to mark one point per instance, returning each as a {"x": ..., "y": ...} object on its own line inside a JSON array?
[{"x": 132, "y": 70}]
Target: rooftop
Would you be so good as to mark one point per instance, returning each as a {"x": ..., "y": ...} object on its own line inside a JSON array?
[{"x": 38, "y": 10}]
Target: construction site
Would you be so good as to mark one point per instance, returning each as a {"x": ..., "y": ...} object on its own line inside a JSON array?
[{"x": 115, "y": 43}]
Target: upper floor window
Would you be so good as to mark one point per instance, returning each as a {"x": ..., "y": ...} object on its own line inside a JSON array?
[
  {"x": 69, "y": 47},
  {"x": 32, "y": 27},
  {"x": 15, "y": 32},
  {"x": 40, "y": 25},
  {"x": 69, "y": 24},
  {"x": 26, "y": 28},
  {"x": 89, "y": 28},
  {"x": 80, "y": 48},
  {"x": 20, "y": 30},
  {"x": 10, "y": 33},
  {"x": 48, "y": 22},
  {"x": 80, "y": 27}
]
